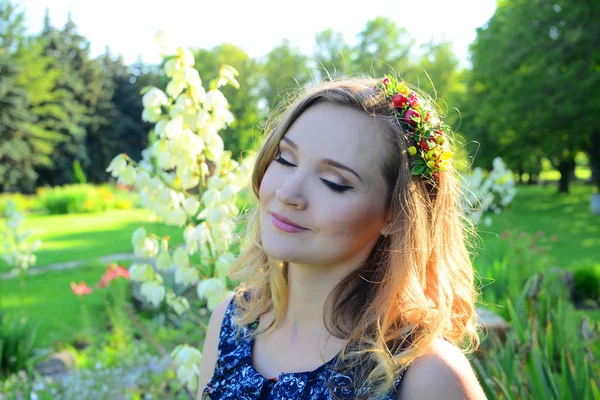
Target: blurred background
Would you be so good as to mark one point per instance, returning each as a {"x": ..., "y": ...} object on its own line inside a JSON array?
[{"x": 519, "y": 81}]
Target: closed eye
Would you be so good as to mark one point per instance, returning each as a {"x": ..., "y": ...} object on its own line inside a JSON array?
[{"x": 333, "y": 186}]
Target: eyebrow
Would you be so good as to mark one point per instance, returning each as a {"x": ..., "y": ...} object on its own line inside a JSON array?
[{"x": 325, "y": 160}]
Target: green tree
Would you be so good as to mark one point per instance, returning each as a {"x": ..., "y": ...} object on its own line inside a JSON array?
[
  {"x": 284, "y": 70},
  {"x": 535, "y": 72},
  {"x": 26, "y": 89},
  {"x": 68, "y": 52},
  {"x": 121, "y": 129},
  {"x": 383, "y": 48},
  {"x": 333, "y": 55}
]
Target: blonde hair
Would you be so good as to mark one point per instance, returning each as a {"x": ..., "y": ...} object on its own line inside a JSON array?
[{"x": 417, "y": 283}]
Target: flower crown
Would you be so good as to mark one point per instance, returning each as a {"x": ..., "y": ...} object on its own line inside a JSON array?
[{"x": 429, "y": 153}]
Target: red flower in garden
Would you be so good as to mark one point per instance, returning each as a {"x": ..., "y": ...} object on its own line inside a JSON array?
[
  {"x": 113, "y": 271},
  {"x": 80, "y": 289}
]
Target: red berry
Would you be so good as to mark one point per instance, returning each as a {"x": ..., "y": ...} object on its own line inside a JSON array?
[
  {"x": 399, "y": 100},
  {"x": 410, "y": 116},
  {"x": 413, "y": 100}
]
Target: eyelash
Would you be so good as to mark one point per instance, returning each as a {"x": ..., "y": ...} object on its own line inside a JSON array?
[{"x": 336, "y": 188}]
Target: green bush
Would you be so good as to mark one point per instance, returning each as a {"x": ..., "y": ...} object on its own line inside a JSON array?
[
  {"x": 587, "y": 283},
  {"x": 75, "y": 199},
  {"x": 24, "y": 202},
  {"x": 20, "y": 340}
]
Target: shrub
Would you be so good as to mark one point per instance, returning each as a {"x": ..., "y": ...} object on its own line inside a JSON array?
[
  {"x": 19, "y": 343},
  {"x": 587, "y": 283},
  {"x": 74, "y": 199},
  {"x": 24, "y": 202}
]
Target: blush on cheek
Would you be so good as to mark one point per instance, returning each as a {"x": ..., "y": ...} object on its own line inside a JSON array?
[{"x": 354, "y": 219}]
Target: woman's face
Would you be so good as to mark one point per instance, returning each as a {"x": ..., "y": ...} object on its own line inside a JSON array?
[{"x": 326, "y": 178}]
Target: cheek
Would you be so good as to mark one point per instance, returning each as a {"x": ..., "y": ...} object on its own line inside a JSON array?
[
  {"x": 352, "y": 219},
  {"x": 267, "y": 188}
]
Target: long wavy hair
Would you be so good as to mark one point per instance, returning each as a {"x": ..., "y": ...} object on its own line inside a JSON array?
[{"x": 416, "y": 285}]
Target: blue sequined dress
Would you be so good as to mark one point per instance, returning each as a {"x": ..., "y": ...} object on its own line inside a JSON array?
[{"x": 235, "y": 377}]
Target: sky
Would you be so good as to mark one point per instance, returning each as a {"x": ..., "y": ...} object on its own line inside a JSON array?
[{"x": 127, "y": 27}]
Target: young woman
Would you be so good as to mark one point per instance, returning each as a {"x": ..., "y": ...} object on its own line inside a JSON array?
[{"x": 358, "y": 282}]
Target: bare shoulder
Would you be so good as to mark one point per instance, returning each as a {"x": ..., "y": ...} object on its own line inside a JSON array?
[
  {"x": 211, "y": 345},
  {"x": 443, "y": 373}
]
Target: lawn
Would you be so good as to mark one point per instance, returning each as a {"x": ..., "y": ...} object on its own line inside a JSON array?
[
  {"x": 48, "y": 299},
  {"x": 89, "y": 236},
  {"x": 540, "y": 208}
]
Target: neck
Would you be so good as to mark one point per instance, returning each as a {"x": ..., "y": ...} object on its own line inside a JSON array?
[{"x": 309, "y": 287}]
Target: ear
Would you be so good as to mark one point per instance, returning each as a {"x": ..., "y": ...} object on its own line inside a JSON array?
[{"x": 385, "y": 229}]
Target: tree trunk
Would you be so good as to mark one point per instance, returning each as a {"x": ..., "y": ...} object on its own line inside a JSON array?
[
  {"x": 565, "y": 167},
  {"x": 521, "y": 175},
  {"x": 594, "y": 154}
]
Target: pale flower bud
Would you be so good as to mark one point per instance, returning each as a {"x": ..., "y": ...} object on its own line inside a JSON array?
[
  {"x": 211, "y": 196},
  {"x": 160, "y": 127},
  {"x": 141, "y": 272},
  {"x": 151, "y": 114},
  {"x": 212, "y": 215},
  {"x": 178, "y": 304},
  {"x": 184, "y": 354},
  {"x": 190, "y": 205},
  {"x": 176, "y": 86},
  {"x": 117, "y": 165},
  {"x": 190, "y": 179},
  {"x": 215, "y": 99},
  {"x": 176, "y": 217},
  {"x": 174, "y": 127},
  {"x": 148, "y": 249},
  {"x": 181, "y": 258},
  {"x": 154, "y": 98},
  {"x": 202, "y": 233},
  {"x": 223, "y": 263},
  {"x": 138, "y": 237},
  {"x": 153, "y": 291},
  {"x": 128, "y": 176},
  {"x": 163, "y": 261},
  {"x": 214, "y": 147},
  {"x": 171, "y": 66},
  {"x": 142, "y": 180},
  {"x": 186, "y": 276},
  {"x": 185, "y": 56},
  {"x": 229, "y": 191},
  {"x": 211, "y": 289}
]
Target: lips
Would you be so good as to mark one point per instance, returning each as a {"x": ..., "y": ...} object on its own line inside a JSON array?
[{"x": 287, "y": 220}]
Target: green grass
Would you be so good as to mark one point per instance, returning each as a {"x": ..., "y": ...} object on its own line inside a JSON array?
[
  {"x": 539, "y": 208},
  {"x": 47, "y": 298},
  {"x": 89, "y": 236}
]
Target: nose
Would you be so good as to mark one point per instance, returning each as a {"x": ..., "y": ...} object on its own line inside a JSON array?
[{"x": 291, "y": 195}]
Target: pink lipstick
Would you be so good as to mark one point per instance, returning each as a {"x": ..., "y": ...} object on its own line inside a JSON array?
[{"x": 278, "y": 221}]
